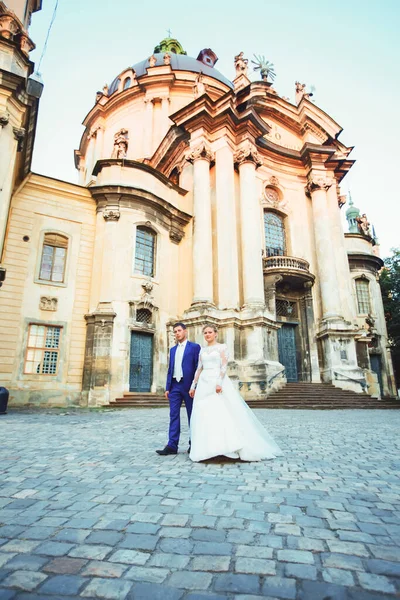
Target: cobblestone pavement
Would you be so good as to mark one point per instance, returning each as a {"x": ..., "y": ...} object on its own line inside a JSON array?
[{"x": 89, "y": 510}]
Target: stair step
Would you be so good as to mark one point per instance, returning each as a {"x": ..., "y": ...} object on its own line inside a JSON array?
[{"x": 301, "y": 395}]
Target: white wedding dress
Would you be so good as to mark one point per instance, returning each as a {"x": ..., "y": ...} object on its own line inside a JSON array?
[{"x": 222, "y": 424}]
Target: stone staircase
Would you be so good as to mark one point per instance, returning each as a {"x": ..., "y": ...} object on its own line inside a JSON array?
[
  {"x": 312, "y": 396},
  {"x": 320, "y": 396}
]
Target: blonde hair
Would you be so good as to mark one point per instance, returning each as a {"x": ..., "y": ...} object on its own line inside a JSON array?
[{"x": 210, "y": 326}]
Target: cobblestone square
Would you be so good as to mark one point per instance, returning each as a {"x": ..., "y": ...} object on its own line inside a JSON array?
[{"x": 89, "y": 510}]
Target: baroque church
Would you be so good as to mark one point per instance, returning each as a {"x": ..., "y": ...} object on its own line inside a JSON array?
[{"x": 199, "y": 198}]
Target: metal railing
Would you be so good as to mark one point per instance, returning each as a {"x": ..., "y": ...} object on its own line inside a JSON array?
[{"x": 361, "y": 382}]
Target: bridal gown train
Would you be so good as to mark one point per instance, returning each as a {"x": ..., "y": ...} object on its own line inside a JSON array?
[{"x": 222, "y": 424}]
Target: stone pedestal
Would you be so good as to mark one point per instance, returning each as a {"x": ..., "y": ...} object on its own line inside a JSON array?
[{"x": 97, "y": 362}]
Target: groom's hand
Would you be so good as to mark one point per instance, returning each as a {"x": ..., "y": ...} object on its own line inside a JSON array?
[
  {"x": 166, "y": 394},
  {"x": 218, "y": 389},
  {"x": 191, "y": 393}
]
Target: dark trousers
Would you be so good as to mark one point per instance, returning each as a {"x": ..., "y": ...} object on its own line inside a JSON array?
[{"x": 176, "y": 395}]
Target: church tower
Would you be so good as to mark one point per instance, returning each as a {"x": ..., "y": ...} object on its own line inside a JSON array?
[{"x": 19, "y": 98}]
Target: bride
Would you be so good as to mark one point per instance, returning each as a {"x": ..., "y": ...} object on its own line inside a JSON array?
[{"x": 222, "y": 424}]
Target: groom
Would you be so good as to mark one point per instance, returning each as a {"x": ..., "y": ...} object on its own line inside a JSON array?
[{"x": 183, "y": 359}]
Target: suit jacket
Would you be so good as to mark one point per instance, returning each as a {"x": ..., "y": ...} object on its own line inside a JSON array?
[{"x": 190, "y": 361}]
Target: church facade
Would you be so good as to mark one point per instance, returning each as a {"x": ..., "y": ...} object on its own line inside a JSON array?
[{"x": 199, "y": 199}]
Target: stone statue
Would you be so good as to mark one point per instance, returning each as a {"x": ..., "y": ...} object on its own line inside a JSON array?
[
  {"x": 105, "y": 90},
  {"x": 265, "y": 67},
  {"x": 241, "y": 65},
  {"x": 167, "y": 59},
  {"x": 363, "y": 225},
  {"x": 199, "y": 87},
  {"x": 301, "y": 92},
  {"x": 152, "y": 61},
  {"x": 120, "y": 144}
]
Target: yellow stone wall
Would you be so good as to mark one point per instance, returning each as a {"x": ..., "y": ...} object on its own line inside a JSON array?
[{"x": 42, "y": 205}]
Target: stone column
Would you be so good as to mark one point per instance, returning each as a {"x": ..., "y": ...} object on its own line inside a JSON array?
[
  {"x": 148, "y": 129},
  {"x": 253, "y": 286},
  {"x": 318, "y": 187},
  {"x": 98, "y": 152},
  {"x": 202, "y": 226},
  {"x": 11, "y": 141},
  {"x": 97, "y": 362},
  {"x": 309, "y": 323},
  {"x": 228, "y": 266},
  {"x": 165, "y": 122}
]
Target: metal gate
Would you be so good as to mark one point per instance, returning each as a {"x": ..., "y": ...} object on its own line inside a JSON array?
[
  {"x": 141, "y": 363},
  {"x": 287, "y": 351}
]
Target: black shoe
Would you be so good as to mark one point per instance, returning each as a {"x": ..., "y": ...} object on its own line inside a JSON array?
[
  {"x": 189, "y": 448},
  {"x": 167, "y": 450}
]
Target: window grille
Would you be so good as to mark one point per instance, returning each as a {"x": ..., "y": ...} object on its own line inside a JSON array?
[
  {"x": 143, "y": 315},
  {"x": 286, "y": 308},
  {"x": 54, "y": 254},
  {"x": 275, "y": 243},
  {"x": 145, "y": 251},
  {"x": 42, "y": 355},
  {"x": 363, "y": 297}
]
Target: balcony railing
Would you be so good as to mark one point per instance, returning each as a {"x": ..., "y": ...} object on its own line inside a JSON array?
[{"x": 286, "y": 262}]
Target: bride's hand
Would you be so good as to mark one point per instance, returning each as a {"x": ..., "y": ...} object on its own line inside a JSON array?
[
  {"x": 191, "y": 393},
  {"x": 218, "y": 389}
]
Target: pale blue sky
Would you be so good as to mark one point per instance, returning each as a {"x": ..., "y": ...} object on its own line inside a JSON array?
[{"x": 349, "y": 50}]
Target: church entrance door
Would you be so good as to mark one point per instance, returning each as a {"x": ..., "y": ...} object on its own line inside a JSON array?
[
  {"x": 287, "y": 351},
  {"x": 141, "y": 362}
]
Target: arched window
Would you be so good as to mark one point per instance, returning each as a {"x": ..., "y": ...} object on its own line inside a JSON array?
[
  {"x": 363, "y": 296},
  {"x": 145, "y": 251},
  {"x": 54, "y": 256},
  {"x": 127, "y": 83},
  {"x": 275, "y": 244}
]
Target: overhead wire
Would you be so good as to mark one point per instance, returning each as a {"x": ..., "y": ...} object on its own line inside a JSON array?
[{"x": 47, "y": 36}]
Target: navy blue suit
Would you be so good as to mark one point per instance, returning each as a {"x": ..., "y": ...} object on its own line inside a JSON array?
[{"x": 179, "y": 390}]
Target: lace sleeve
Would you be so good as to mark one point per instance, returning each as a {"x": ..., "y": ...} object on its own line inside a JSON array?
[
  {"x": 224, "y": 362},
  {"x": 197, "y": 374}
]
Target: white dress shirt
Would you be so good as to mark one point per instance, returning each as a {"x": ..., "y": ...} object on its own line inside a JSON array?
[{"x": 178, "y": 372}]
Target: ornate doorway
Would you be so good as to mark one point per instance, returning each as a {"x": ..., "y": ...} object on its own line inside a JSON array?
[
  {"x": 287, "y": 351},
  {"x": 141, "y": 362}
]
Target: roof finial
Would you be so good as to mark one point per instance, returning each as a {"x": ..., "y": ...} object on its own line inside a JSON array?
[{"x": 169, "y": 33}]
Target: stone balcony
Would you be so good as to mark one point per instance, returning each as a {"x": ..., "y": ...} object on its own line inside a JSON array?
[{"x": 293, "y": 270}]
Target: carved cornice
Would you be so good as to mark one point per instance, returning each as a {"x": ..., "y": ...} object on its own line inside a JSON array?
[
  {"x": 4, "y": 118},
  {"x": 12, "y": 29},
  {"x": 319, "y": 183},
  {"x": 158, "y": 211},
  {"x": 134, "y": 164},
  {"x": 248, "y": 153},
  {"x": 202, "y": 151}
]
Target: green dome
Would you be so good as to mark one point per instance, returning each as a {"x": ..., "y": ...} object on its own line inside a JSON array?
[{"x": 169, "y": 44}]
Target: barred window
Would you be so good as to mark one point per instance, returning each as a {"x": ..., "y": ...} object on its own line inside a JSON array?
[
  {"x": 54, "y": 255},
  {"x": 145, "y": 251},
  {"x": 274, "y": 235},
  {"x": 42, "y": 354},
  {"x": 143, "y": 315},
  {"x": 363, "y": 297}
]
